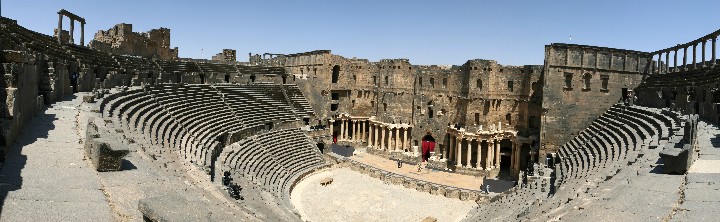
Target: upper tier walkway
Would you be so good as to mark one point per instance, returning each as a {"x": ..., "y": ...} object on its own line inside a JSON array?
[{"x": 46, "y": 177}]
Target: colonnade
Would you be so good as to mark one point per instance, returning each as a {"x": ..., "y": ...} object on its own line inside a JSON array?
[
  {"x": 351, "y": 129},
  {"x": 663, "y": 66},
  {"x": 460, "y": 148},
  {"x": 72, "y": 18},
  {"x": 390, "y": 137}
]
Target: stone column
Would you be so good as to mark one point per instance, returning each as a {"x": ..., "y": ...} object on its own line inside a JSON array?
[
  {"x": 468, "y": 154},
  {"x": 362, "y": 131},
  {"x": 488, "y": 157},
  {"x": 458, "y": 156},
  {"x": 497, "y": 155},
  {"x": 397, "y": 139},
  {"x": 685, "y": 58},
  {"x": 342, "y": 130},
  {"x": 695, "y": 56},
  {"x": 355, "y": 136},
  {"x": 451, "y": 147},
  {"x": 659, "y": 65},
  {"x": 667, "y": 62},
  {"x": 713, "y": 50},
  {"x": 382, "y": 137},
  {"x": 675, "y": 64},
  {"x": 347, "y": 129},
  {"x": 405, "y": 139},
  {"x": 377, "y": 129},
  {"x": 59, "y": 28},
  {"x": 370, "y": 135},
  {"x": 82, "y": 33},
  {"x": 330, "y": 122},
  {"x": 72, "y": 31},
  {"x": 703, "y": 53},
  {"x": 479, "y": 155}
]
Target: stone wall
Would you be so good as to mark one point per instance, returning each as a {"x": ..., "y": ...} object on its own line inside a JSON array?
[
  {"x": 581, "y": 83},
  {"x": 396, "y": 92},
  {"x": 122, "y": 40},
  {"x": 21, "y": 72}
]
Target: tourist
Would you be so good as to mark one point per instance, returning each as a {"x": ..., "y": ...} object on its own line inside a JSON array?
[{"x": 487, "y": 188}]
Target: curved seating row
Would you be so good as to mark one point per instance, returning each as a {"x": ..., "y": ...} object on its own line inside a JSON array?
[
  {"x": 256, "y": 104},
  {"x": 273, "y": 159},
  {"x": 216, "y": 68},
  {"x": 194, "y": 120}
]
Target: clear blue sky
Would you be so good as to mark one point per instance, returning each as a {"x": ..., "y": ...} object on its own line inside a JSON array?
[{"x": 426, "y": 32}]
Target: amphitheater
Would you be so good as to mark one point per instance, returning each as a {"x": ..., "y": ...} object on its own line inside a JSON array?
[{"x": 116, "y": 131}]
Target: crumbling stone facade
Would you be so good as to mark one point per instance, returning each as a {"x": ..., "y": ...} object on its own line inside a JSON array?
[
  {"x": 123, "y": 41},
  {"x": 229, "y": 55}
]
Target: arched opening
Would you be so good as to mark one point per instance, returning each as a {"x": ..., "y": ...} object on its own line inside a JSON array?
[
  {"x": 505, "y": 159},
  {"x": 479, "y": 84},
  {"x": 586, "y": 80},
  {"x": 178, "y": 77},
  {"x": 284, "y": 79},
  {"x": 202, "y": 78},
  {"x": 508, "y": 119},
  {"x": 428, "y": 145},
  {"x": 335, "y": 73},
  {"x": 74, "y": 76},
  {"x": 252, "y": 78},
  {"x": 227, "y": 78},
  {"x": 430, "y": 112}
]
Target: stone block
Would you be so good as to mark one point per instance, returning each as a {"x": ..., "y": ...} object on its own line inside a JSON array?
[
  {"x": 464, "y": 194},
  {"x": 88, "y": 99},
  {"x": 452, "y": 192},
  {"x": 677, "y": 160},
  {"x": 105, "y": 154},
  {"x": 410, "y": 183},
  {"x": 397, "y": 180},
  {"x": 437, "y": 190},
  {"x": 473, "y": 195}
]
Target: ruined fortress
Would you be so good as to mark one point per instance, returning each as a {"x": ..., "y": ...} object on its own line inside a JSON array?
[{"x": 593, "y": 130}]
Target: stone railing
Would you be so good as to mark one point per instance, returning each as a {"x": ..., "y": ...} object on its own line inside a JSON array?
[{"x": 663, "y": 66}]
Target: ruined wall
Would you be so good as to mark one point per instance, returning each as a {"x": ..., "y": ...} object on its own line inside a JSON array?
[
  {"x": 581, "y": 83},
  {"x": 20, "y": 92},
  {"x": 429, "y": 98},
  {"x": 122, "y": 40}
]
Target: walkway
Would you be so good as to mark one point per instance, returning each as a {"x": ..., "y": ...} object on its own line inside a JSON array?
[
  {"x": 45, "y": 176},
  {"x": 702, "y": 199}
]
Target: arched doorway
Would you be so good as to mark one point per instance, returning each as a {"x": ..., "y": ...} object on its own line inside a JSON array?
[
  {"x": 506, "y": 148},
  {"x": 335, "y": 73},
  {"x": 428, "y": 145}
]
